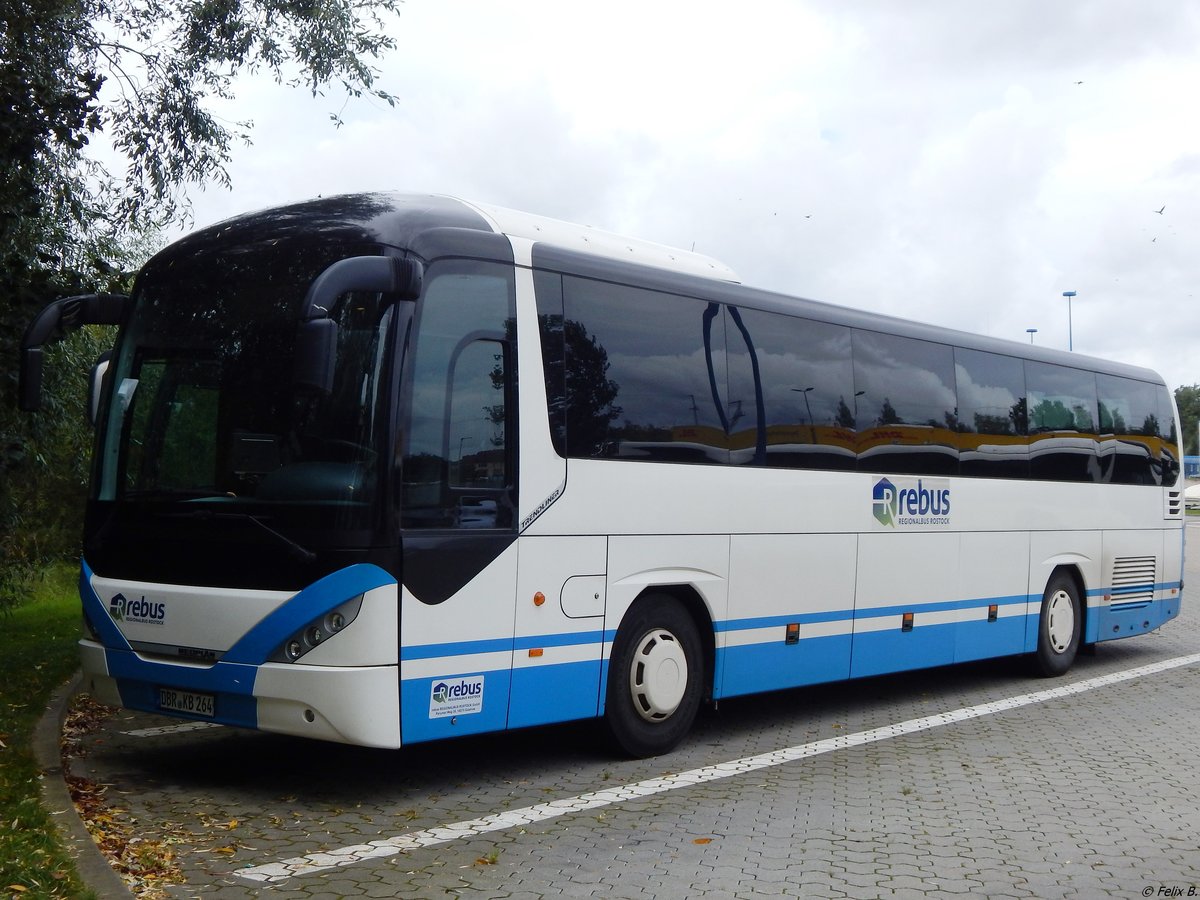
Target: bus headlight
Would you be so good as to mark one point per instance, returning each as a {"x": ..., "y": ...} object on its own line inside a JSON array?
[{"x": 317, "y": 631}]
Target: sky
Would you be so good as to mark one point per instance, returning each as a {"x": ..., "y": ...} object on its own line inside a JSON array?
[{"x": 958, "y": 162}]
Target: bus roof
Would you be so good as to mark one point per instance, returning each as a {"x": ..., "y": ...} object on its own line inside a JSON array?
[
  {"x": 406, "y": 220},
  {"x": 584, "y": 238}
]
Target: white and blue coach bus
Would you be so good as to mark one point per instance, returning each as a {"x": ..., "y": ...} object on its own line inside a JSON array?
[{"x": 387, "y": 468}]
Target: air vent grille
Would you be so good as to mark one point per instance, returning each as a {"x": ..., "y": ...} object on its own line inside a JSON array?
[
  {"x": 1133, "y": 580},
  {"x": 1173, "y": 504}
]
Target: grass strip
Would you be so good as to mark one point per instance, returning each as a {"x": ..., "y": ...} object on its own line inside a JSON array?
[{"x": 37, "y": 655}]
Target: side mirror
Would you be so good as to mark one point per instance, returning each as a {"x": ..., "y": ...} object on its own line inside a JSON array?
[
  {"x": 316, "y": 335},
  {"x": 52, "y": 324}
]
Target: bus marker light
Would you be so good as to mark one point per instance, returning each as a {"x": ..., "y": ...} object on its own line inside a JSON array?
[
  {"x": 793, "y": 633},
  {"x": 535, "y": 653},
  {"x": 993, "y": 612},
  {"x": 907, "y": 622},
  {"x": 539, "y": 598}
]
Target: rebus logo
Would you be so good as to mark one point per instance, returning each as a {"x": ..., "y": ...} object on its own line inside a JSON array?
[
  {"x": 140, "y": 610},
  {"x": 443, "y": 692},
  {"x": 456, "y": 697},
  {"x": 914, "y": 503}
]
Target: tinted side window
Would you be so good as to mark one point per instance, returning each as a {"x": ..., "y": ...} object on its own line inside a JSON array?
[
  {"x": 548, "y": 289},
  {"x": 456, "y": 469},
  {"x": 1169, "y": 450},
  {"x": 1062, "y": 423},
  {"x": 645, "y": 374},
  {"x": 991, "y": 415},
  {"x": 1129, "y": 445},
  {"x": 805, "y": 384},
  {"x": 906, "y": 402}
]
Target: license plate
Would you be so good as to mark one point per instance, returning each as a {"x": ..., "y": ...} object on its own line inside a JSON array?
[{"x": 186, "y": 702}]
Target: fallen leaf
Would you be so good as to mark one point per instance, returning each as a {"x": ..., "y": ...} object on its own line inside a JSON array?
[{"x": 702, "y": 841}]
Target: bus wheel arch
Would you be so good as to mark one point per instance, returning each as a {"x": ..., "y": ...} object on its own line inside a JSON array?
[
  {"x": 659, "y": 671},
  {"x": 1061, "y": 622}
]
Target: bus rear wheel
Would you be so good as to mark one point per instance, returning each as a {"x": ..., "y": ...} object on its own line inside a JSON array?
[
  {"x": 1060, "y": 626},
  {"x": 655, "y": 678}
]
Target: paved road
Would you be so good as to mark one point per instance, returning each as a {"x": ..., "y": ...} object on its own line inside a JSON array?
[{"x": 1084, "y": 786}]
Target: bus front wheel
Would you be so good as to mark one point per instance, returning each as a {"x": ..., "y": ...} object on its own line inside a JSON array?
[
  {"x": 1060, "y": 626},
  {"x": 654, "y": 678}
]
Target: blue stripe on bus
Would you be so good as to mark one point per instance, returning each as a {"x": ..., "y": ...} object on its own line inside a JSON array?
[
  {"x": 456, "y": 648},
  {"x": 1126, "y": 589},
  {"x": 560, "y": 640},
  {"x": 453, "y": 649},
  {"x": 1133, "y": 588},
  {"x": 501, "y": 645},
  {"x": 842, "y": 615},
  {"x": 772, "y": 665}
]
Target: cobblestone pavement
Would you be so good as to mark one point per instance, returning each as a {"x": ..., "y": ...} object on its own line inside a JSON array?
[{"x": 1087, "y": 792}]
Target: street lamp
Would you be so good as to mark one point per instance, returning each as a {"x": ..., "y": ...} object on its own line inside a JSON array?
[
  {"x": 812, "y": 426},
  {"x": 1032, "y": 332},
  {"x": 1070, "y": 333}
]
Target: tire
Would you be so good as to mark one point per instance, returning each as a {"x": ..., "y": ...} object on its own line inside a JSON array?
[
  {"x": 1060, "y": 627},
  {"x": 655, "y": 678}
]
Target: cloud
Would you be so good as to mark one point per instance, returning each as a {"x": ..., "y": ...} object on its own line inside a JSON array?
[{"x": 929, "y": 160}]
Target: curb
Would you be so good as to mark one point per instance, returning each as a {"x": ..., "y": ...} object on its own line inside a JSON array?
[{"x": 91, "y": 864}]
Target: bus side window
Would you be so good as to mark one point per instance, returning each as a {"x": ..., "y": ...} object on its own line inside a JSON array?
[
  {"x": 991, "y": 415},
  {"x": 906, "y": 405},
  {"x": 1063, "y": 440},
  {"x": 806, "y": 382},
  {"x": 1170, "y": 458},
  {"x": 455, "y": 469},
  {"x": 1129, "y": 425}
]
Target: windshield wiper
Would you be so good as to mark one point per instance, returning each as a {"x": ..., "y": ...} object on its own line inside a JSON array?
[
  {"x": 172, "y": 495},
  {"x": 299, "y": 552}
]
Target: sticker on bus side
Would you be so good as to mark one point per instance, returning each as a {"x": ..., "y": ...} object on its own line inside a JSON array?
[
  {"x": 455, "y": 697},
  {"x": 916, "y": 503}
]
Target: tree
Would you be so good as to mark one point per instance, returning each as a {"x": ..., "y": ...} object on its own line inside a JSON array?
[
  {"x": 1187, "y": 398},
  {"x": 142, "y": 72},
  {"x": 844, "y": 417},
  {"x": 590, "y": 393},
  {"x": 888, "y": 415}
]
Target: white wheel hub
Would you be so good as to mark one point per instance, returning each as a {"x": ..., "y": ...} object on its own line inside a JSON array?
[
  {"x": 1060, "y": 627},
  {"x": 658, "y": 675}
]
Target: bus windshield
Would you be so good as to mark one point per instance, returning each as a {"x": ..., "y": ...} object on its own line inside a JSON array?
[{"x": 204, "y": 419}]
